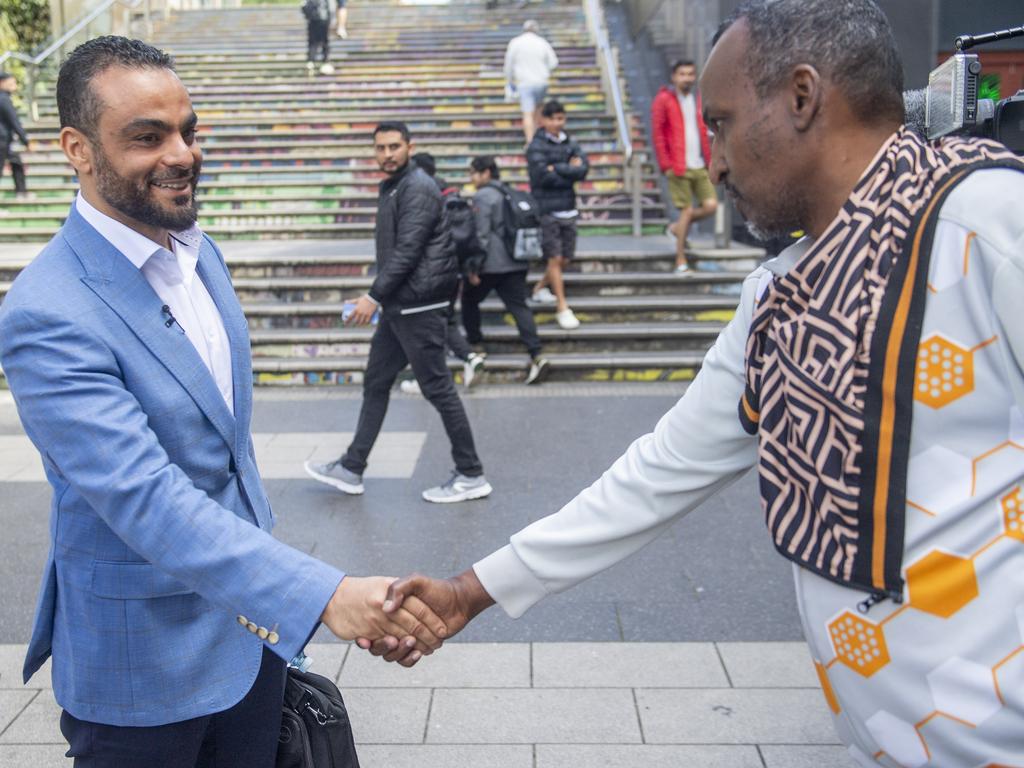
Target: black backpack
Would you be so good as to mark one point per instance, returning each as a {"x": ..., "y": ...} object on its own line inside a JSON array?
[
  {"x": 315, "y": 729},
  {"x": 521, "y": 223},
  {"x": 461, "y": 223}
]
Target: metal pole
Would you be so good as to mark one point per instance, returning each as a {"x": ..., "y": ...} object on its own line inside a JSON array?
[
  {"x": 30, "y": 86},
  {"x": 638, "y": 228}
]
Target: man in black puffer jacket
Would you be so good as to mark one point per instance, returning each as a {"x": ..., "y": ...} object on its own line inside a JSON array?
[
  {"x": 556, "y": 162},
  {"x": 417, "y": 272}
]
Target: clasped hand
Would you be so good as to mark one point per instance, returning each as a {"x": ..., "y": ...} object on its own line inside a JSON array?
[{"x": 410, "y": 630}]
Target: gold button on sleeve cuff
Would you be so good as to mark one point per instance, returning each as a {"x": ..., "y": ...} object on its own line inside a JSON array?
[
  {"x": 273, "y": 637},
  {"x": 262, "y": 633}
]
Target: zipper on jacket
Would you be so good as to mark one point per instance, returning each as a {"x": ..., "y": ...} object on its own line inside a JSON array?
[{"x": 875, "y": 598}]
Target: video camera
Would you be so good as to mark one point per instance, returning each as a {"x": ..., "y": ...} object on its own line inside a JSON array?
[{"x": 953, "y": 105}]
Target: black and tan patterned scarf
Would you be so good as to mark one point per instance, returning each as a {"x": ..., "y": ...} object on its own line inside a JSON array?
[{"x": 830, "y": 365}]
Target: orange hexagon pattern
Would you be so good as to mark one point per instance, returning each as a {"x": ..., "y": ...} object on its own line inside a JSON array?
[
  {"x": 859, "y": 644},
  {"x": 945, "y": 372},
  {"x": 1013, "y": 514},
  {"x": 941, "y": 584}
]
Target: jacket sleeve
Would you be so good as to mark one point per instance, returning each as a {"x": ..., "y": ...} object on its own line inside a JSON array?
[
  {"x": 540, "y": 176},
  {"x": 696, "y": 449},
  {"x": 9, "y": 116},
  {"x": 418, "y": 211},
  {"x": 574, "y": 172},
  {"x": 659, "y": 133},
  {"x": 77, "y": 410},
  {"x": 482, "y": 213},
  {"x": 550, "y": 57}
]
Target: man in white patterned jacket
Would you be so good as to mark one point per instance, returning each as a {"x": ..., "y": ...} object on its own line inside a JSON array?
[{"x": 874, "y": 373}]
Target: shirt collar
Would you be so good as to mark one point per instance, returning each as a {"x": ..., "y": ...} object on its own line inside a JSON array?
[
  {"x": 138, "y": 248},
  {"x": 562, "y": 136}
]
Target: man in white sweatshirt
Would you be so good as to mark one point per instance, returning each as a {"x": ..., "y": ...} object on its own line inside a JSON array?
[
  {"x": 529, "y": 61},
  {"x": 874, "y": 375}
]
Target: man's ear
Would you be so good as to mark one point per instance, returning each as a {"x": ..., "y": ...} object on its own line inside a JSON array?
[
  {"x": 78, "y": 150},
  {"x": 806, "y": 93}
]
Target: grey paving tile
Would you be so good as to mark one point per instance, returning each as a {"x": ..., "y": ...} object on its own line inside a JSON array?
[
  {"x": 735, "y": 716},
  {"x": 454, "y": 756},
  {"x": 328, "y": 658},
  {"x": 617, "y": 756},
  {"x": 38, "y": 724},
  {"x": 388, "y": 716},
  {"x": 807, "y": 757},
  {"x": 11, "y": 704},
  {"x": 12, "y": 658},
  {"x": 533, "y": 716},
  {"x": 33, "y": 756},
  {"x": 769, "y": 665},
  {"x": 627, "y": 665},
  {"x": 456, "y": 665}
]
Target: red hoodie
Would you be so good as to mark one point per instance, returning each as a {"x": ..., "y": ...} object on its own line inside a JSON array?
[{"x": 670, "y": 133}]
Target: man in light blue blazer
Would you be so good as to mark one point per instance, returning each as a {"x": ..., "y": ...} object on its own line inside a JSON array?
[{"x": 167, "y": 607}]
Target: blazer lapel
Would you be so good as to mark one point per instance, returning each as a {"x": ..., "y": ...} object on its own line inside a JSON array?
[
  {"x": 121, "y": 286},
  {"x": 213, "y": 272}
]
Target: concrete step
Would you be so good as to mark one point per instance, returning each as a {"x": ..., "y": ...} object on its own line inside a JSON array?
[
  {"x": 590, "y": 337},
  {"x": 598, "y": 309},
  {"x": 503, "y": 368}
]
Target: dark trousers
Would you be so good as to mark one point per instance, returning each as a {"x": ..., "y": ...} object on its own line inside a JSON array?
[
  {"x": 316, "y": 34},
  {"x": 417, "y": 340},
  {"x": 511, "y": 288},
  {"x": 17, "y": 166},
  {"x": 244, "y": 736},
  {"x": 456, "y": 341}
]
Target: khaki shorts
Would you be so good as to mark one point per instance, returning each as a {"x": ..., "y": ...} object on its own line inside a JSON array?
[{"x": 695, "y": 184}]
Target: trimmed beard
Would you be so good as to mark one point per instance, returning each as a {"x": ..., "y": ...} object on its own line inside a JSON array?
[{"x": 136, "y": 202}]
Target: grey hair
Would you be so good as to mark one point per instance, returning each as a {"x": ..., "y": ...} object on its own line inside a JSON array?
[
  {"x": 849, "y": 42},
  {"x": 531, "y": 25}
]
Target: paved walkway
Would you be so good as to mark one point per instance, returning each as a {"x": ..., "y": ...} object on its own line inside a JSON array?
[
  {"x": 560, "y": 687},
  {"x": 537, "y": 705}
]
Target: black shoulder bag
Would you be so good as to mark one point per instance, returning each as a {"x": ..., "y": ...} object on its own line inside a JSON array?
[{"x": 315, "y": 729}]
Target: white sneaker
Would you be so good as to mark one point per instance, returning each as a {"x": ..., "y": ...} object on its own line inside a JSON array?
[
  {"x": 410, "y": 387},
  {"x": 567, "y": 319},
  {"x": 471, "y": 369},
  {"x": 342, "y": 33},
  {"x": 681, "y": 269},
  {"x": 539, "y": 370},
  {"x": 327, "y": 69},
  {"x": 336, "y": 476},
  {"x": 544, "y": 296},
  {"x": 459, "y": 488}
]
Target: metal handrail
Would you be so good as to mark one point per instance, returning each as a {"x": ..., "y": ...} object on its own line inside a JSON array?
[
  {"x": 34, "y": 62},
  {"x": 631, "y": 163}
]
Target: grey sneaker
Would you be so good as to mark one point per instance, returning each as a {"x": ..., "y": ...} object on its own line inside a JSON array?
[
  {"x": 471, "y": 369},
  {"x": 539, "y": 370},
  {"x": 459, "y": 488},
  {"x": 336, "y": 476}
]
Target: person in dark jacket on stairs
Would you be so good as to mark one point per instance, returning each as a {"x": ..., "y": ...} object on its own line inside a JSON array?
[
  {"x": 10, "y": 129},
  {"x": 499, "y": 271},
  {"x": 556, "y": 162},
  {"x": 417, "y": 274},
  {"x": 318, "y": 22}
]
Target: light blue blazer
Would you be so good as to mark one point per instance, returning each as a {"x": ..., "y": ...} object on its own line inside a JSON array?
[{"x": 161, "y": 560}]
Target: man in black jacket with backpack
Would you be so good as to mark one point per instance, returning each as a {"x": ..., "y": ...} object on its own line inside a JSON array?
[{"x": 417, "y": 274}]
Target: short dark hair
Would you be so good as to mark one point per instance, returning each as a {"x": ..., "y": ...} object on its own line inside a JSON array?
[
  {"x": 425, "y": 160},
  {"x": 482, "y": 163},
  {"x": 552, "y": 107},
  {"x": 849, "y": 42},
  {"x": 78, "y": 105},
  {"x": 393, "y": 125},
  {"x": 683, "y": 63}
]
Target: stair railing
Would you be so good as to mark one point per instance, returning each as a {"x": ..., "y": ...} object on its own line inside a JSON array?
[
  {"x": 34, "y": 64},
  {"x": 632, "y": 162}
]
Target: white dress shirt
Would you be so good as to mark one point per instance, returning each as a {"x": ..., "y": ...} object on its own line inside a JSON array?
[
  {"x": 529, "y": 60},
  {"x": 691, "y": 136},
  {"x": 173, "y": 278}
]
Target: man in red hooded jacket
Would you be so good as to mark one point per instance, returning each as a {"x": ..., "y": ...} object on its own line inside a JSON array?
[{"x": 681, "y": 143}]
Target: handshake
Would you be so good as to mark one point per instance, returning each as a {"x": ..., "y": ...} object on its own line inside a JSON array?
[{"x": 406, "y": 619}]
